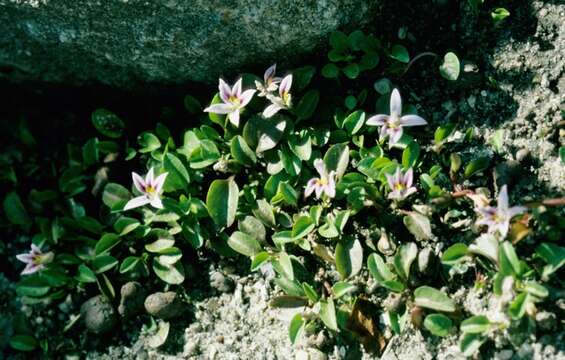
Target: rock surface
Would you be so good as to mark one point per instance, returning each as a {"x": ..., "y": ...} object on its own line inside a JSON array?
[
  {"x": 164, "y": 305},
  {"x": 131, "y": 300},
  {"x": 98, "y": 314},
  {"x": 124, "y": 43}
]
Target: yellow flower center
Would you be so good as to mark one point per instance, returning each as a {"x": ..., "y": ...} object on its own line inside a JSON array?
[
  {"x": 322, "y": 182},
  {"x": 150, "y": 189},
  {"x": 234, "y": 100},
  {"x": 399, "y": 187}
]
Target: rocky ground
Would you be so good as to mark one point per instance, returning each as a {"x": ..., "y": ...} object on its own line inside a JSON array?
[{"x": 514, "y": 80}]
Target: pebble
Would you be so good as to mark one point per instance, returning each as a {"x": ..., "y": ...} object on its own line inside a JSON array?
[
  {"x": 98, "y": 314},
  {"x": 132, "y": 296},
  {"x": 164, "y": 305},
  {"x": 522, "y": 154}
]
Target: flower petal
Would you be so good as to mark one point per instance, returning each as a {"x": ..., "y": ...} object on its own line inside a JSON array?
[
  {"x": 383, "y": 132},
  {"x": 285, "y": 85},
  {"x": 319, "y": 189},
  {"x": 377, "y": 120},
  {"x": 395, "y": 135},
  {"x": 515, "y": 210},
  {"x": 236, "y": 90},
  {"x": 246, "y": 97},
  {"x": 408, "y": 178},
  {"x": 32, "y": 268},
  {"x": 395, "y": 103},
  {"x": 35, "y": 250},
  {"x": 321, "y": 168},
  {"x": 269, "y": 73},
  {"x": 503, "y": 199},
  {"x": 390, "y": 181},
  {"x": 330, "y": 187},
  {"x": 149, "y": 177},
  {"x": 219, "y": 108},
  {"x": 156, "y": 202},
  {"x": 225, "y": 91},
  {"x": 159, "y": 182},
  {"x": 271, "y": 110},
  {"x": 412, "y": 120},
  {"x": 409, "y": 191},
  {"x": 138, "y": 182},
  {"x": 503, "y": 228},
  {"x": 234, "y": 118},
  {"x": 137, "y": 202},
  {"x": 310, "y": 186},
  {"x": 26, "y": 258}
]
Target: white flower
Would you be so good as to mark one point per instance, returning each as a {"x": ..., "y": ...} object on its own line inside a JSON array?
[
  {"x": 234, "y": 100},
  {"x": 270, "y": 83},
  {"x": 283, "y": 101},
  {"x": 324, "y": 184},
  {"x": 35, "y": 260},
  {"x": 391, "y": 125},
  {"x": 150, "y": 188},
  {"x": 498, "y": 218},
  {"x": 400, "y": 184}
]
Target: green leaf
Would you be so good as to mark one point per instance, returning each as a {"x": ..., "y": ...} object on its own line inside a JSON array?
[
  {"x": 90, "y": 154},
  {"x": 476, "y": 166},
  {"x": 15, "y": 210},
  {"x": 259, "y": 259},
  {"x": 159, "y": 245},
  {"x": 160, "y": 336},
  {"x": 107, "y": 123},
  {"x": 242, "y": 152},
  {"x": 536, "y": 289},
  {"x": 286, "y": 193},
  {"x": 518, "y": 307},
  {"x": 404, "y": 258},
  {"x": 430, "y": 298},
  {"x": 148, "y": 142},
  {"x": 124, "y": 225},
  {"x": 296, "y": 328},
  {"x": 288, "y": 301},
  {"x": 442, "y": 133},
  {"x": 302, "y": 227},
  {"x": 438, "y": 324},
  {"x": 222, "y": 200},
  {"x": 478, "y": 324},
  {"x": 379, "y": 269},
  {"x": 302, "y": 76},
  {"x": 178, "y": 178},
  {"x": 106, "y": 243},
  {"x": 33, "y": 286},
  {"x": 265, "y": 213},
  {"x": 410, "y": 155},
  {"x": 192, "y": 105},
  {"x": 562, "y": 154},
  {"x": 264, "y": 134},
  {"x": 450, "y": 67},
  {"x": 23, "y": 343},
  {"x": 454, "y": 254},
  {"x": 348, "y": 258},
  {"x": 204, "y": 155},
  {"x": 253, "y": 227},
  {"x": 171, "y": 274},
  {"x": 354, "y": 122},
  {"x": 301, "y": 147},
  {"x": 497, "y": 140},
  {"x": 307, "y": 105},
  {"x": 244, "y": 244},
  {"x": 283, "y": 265},
  {"x": 470, "y": 344},
  {"x": 103, "y": 263},
  {"x": 553, "y": 255},
  {"x": 508, "y": 260},
  {"x": 499, "y": 14},
  {"x": 352, "y": 71},
  {"x": 338, "y": 41},
  {"x": 337, "y": 159},
  {"x": 419, "y": 225},
  {"x": 310, "y": 292},
  {"x": 115, "y": 196},
  {"x": 399, "y": 52},
  {"x": 341, "y": 288},
  {"x": 129, "y": 264},
  {"x": 330, "y": 71},
  {"x": 328, "y": 315},
  {"x": 85, "y": 274}
]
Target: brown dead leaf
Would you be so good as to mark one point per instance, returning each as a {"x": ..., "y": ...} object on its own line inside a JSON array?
[{"x": 363, "y": 323}]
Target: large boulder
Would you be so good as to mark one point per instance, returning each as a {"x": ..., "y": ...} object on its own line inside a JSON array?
[{"x": 130, "y": 42}]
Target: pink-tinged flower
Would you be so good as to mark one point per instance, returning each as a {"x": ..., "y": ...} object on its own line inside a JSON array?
[
  {"x": 270, "y": 83},
  {"x": 400, "y": 184},
  {"x": 324, "y": 184},
  {"x": 35, "y": 260},
  {"x": 150, "y": 188},
  {"x": 283, "y": 101},
  {"x": 498, "y": 218},
  {"x": 234, "y": 100},
  {"x": 391, "y": 125}
]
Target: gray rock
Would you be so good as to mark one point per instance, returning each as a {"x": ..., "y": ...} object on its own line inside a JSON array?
[
  {"x": 98, "y": 314},
  {"x": 221, "y": 282},
  {"x": 131, "y": 299},
  {"x": 125, "y": 42},
  {"x": 164, "y": 305}
]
